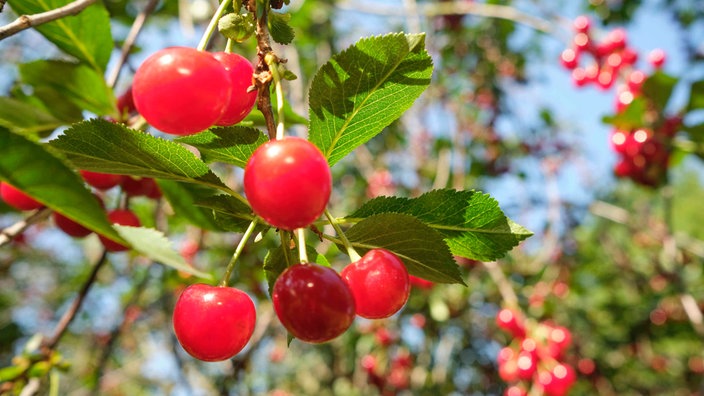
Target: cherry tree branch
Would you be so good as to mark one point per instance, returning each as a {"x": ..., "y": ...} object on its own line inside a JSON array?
[
  {"x": 27, "y": 21},
  {"x": 9, "y": 233},
  {"x": 262, "y": 74}
]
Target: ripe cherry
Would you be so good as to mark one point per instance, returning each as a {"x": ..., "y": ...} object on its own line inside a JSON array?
[
  {"x": 288, "y": 182},
  {"x": 213, "y": 323},
  {"x": 420, "y": 283},
  {"x": 144, "y": 186},
  {"x": 569, "y": 58},
  {"x": 511, "y": 321},
  {"x": 581, "y": 24},
  {"x": 379, "y": 282},
  {"x": 313, "y": 302},
  {"x": 181, "y": 90},
  {"x": 241, "y": 101},
  {"x": 121, "y": 217},
  {"x": 18, "y": 199},
  {"x": 69, "y": 226},
  {"x": 557, "y": 381},
  {"x": 657, "y": 58},
  {"x": 101, "y": 181}
]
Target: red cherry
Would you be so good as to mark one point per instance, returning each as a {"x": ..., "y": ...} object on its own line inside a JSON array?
[
  {"x": 581, "y": 42},
  {"x": 144, "y": 186},
  {"x": 617, "y": 38},
  {"x": 579, "y": 77},
  {"x": 581, "y": 24},
  {"x": 18, "y": 199},
  {"x": 511, "y": 321},
  {"x": 569, "y": 58},
  {"x": 121, "y": 217},
  {"x": 384, "y": 336},
  {"x": 558, "y": 381},
  {"x": 69, "y": 226},
  {"x": 241, "y": 101},
  {"x": 560, "y": 337},
  {"x": 213, "y": 323},
  {"x": 629, "y": 56},
  {"x": 313, "y": 302},
  {"x": 101, "y": 181},
  {"x": 379, "y": 283},
  {"x": 288, "y": 182},
  {"x": 526, "y": 364},
  {"x": 508, "y": 371},
  {"x": 181, "y": 90},
  {"x": 515, "y": 390},
  {"x": 657, "y": 58},
  {"x": 420, "y": 282},
  {"x": 506, "y": 354}
]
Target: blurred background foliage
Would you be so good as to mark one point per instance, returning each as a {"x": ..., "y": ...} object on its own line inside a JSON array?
[{"x": 618, "y": 264}]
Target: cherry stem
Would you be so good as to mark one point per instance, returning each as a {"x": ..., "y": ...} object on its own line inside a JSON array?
[
  {"x": 213, "y": 25},
  {"x": 229, "y": 46},
  {"x": 302, "y": 250},
  {"x": 354, "y": 256},
  {"x": 276, "y": 74},
  {"x": 240, "y": 246}
]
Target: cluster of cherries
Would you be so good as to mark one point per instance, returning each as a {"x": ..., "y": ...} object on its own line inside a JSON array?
[
  {"x": 100, "y": 181},
  {"x": 182, "y": 91},
  {"x": 644, "y": 151},
  {"x": 532, "y": 362}
]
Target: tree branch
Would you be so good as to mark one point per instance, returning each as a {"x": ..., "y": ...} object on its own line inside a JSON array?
[
  {"x": 9, "y": 233},
  {"x": 262, "y": 74},
  {"x": 28, "y": 21}
]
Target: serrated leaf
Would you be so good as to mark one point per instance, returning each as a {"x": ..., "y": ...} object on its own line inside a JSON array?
[
  {"x": 81, "y": 85},
  {"x": 154, "y": 245},
  {"x": 102, "y": 146},
  {"x": 658, "y": 88},
  {"x": 471, "y": 222},
  {"x": 86, "y": 35},
  {"x": 696, "y": 96},
  {"x": 183, "y": 197},
  {"x": 24, "y": 118},
  {"x": 361, "y": 90},
  {"x": 420, "y": 247},
  {"x": 279, "y": 28},
  {"x": 233, "y": 145},
  {"x": 31, "y": 168},
  {"x": 230, "y": 213}
]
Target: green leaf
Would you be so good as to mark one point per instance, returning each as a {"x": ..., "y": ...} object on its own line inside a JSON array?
[
  {"x": 102, "y": 146},
  {"x": 362, "y": 90},
  {"x": 31, "y": 168},
  {"x": 233, "y": 145},
  {"x": 154, "y": 245},
  {"x": 696, "y": 96},
  {"x": 658, "y": 88},
  {"x": 183, "y": 198},
  {"x": 24, "y": 118},
  {"x": 230, "y": 214},
  {"x": 279, "y": 28},
  {"x": 11, "y": 373},
  {"x": 471, "y": 222},
  {"x": 237, "y": 27},
  {"x": 86, "y": 35},
  {"x": 421, "y": 248},
  {"x": 77, "y": 83},
  {"x": 631, "y": 117}
]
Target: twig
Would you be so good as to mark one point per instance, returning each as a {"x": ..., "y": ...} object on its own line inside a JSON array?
[
  {"x": 456, "y": 7},
  {"x": 262, "y": 74},
  {"x": 130, "y": 40},
  {"x": 9, "y": 233},
  {"x": 28, "y": 21},
  {"x": 507, "y": 293},
  {"x": 75, "y": 306}
]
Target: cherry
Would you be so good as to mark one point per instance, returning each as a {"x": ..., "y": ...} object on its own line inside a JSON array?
[
  {"x": 288, "y": 182},
  {"x": 657, "y": 58},
  {"x": 313, "y": 302},
  {"x": 558, "y": 381},
  {"x": 213, "y": 323},
  {"x": 569, "y": 58},
  {"x": 515, "y": 390},
  {"x": 241, "y": 101},
  {"x": 379, "y": 282},
  {"x": 69, "y": 226},
  {"x": 181, "y": 90},
  {"x": 121, "y": 217},
  {"x": 18, "y": 199},
  {"x": 101, "y": 181},
  {"x": 143, "y": 186},
  {"x": 511, "y": 321},
  {"x": 581, "y": 24},
  {"x": 420, "y": 282}
]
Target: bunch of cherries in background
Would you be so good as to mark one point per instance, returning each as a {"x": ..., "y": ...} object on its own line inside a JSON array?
[
  {"x": 643, "y": 150},
  {"x": 534, "y": 358}
]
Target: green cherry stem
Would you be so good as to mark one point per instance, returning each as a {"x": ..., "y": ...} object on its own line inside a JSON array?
[
  {"x": 213, "y": 25},
  {"x": 302, "y": 250},
  {"x": 229, "y": 46},
  {"x": 276, "y": 74},
  {"x": 354, "y": 256},
  {"x": 240, "y": 246}
]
